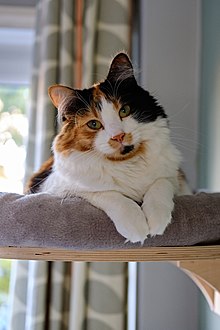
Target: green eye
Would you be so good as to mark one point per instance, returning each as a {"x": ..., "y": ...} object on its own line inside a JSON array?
[
  {"x": 125, "y": 111},
  {"x": 94, "y": 124}
]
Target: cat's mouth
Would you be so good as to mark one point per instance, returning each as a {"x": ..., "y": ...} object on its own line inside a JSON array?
[
  {"x": 126, "y": 149},
  {"x": 126, "y": 152}
]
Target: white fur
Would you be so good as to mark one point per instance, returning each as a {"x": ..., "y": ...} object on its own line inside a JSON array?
[
  {"x": 113, "y": 186},
  {"x": 111, "y": 120}
]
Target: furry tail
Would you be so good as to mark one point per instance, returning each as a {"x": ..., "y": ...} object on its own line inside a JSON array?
[
  {"x": 184, "y": 188},
  {"x": 34, "y": 183}
]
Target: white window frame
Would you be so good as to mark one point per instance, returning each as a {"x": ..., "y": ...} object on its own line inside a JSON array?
[{"x": 16, "y": 42}]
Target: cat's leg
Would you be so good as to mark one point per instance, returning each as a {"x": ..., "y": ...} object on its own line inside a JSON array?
[
  {"x": 126, "y": 214},
  {"x": 158, "y": 206}
]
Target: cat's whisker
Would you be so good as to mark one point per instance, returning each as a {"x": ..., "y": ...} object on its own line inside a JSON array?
[
  {"x": 173, "y": 127},
  {"x": 187, "y": 131},
  {"x": 118, "y": 81},
  {"x": 121, "y": 79},
  {"x": 181, "y": 138},
  {"x": 35, "y": 185},
  {"x": 88, "y": 155},
  {"x": 193, "y": 140},
  {"x": 117, "y": 85},
  {"x": 64, "y": 197},
  {"x": 188, "y": 148},
  {"x": 82, "y": 155},
  {"x": 111, "y": 91},
  {"x": 83, "y": 100},
  {"x": 183, "y": 109},
  {"x": 142, "y": 117}
]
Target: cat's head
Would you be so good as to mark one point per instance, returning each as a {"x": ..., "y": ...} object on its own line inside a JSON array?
[{"x": 106, "y": 118}]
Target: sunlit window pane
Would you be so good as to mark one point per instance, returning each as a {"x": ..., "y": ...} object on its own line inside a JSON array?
[{"x": 13, "y": 133}]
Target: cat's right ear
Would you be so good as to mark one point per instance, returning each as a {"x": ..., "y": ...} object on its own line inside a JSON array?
[
  {"x": 120, "y": 68},
  {"x": 58, "y": 93}
]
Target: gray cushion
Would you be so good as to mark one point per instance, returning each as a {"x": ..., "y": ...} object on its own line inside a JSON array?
[{"x": 42, "y": 220}]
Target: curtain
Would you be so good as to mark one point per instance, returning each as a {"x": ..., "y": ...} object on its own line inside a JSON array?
[{"x": 75, "y": 41}]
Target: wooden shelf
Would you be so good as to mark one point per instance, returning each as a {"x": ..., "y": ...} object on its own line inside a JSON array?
[
  {"x": 206, "y": 275},
  {"x": 201, "y": 263},
  {"x": 140, "y": 254}
]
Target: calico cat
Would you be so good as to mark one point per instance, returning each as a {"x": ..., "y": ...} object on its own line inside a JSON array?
[{"x": 114, "y": 150}]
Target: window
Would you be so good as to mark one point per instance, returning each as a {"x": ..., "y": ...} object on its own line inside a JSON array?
[
  {"x": 13, "y": 133},
  {"x": 16, "y": 41}
]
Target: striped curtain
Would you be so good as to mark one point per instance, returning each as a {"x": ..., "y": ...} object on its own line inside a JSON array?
[{"x": 75, "y": 41}]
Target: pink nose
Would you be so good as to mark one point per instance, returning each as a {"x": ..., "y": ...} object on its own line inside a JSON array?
[{"x": 119, "y": 137}]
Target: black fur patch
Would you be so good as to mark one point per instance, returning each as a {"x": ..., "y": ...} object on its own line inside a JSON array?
[
  {"x": 79, "y": 103},
  {"x": 144, "y": 107},
  {"x": 36, "y": 181}
]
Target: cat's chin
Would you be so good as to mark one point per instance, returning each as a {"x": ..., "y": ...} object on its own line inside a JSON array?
[{"x": 126, "y": 152}]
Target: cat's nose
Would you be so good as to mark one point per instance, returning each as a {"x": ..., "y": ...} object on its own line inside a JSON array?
[{"x": 119, "y": 137}]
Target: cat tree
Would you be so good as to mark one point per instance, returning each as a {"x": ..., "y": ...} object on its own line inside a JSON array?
[{"x": 44, "y": 227}]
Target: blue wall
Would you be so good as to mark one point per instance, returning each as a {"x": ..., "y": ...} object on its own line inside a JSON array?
[
  {"x": 209, "y": 153},
  {"x": 209, "y": 119},
  {"x": 207, "y": 319}
]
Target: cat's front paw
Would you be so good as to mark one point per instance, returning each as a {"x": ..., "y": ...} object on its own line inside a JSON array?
[
  {"x": 158, "y": 225},
  {"x": 131, "y": 223},
  {"x": 158, "y": 206},
  {"x": 158, "y": 217}
]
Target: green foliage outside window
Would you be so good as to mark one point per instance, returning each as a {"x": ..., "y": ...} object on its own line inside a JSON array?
[{"x": 5, "y": 269}]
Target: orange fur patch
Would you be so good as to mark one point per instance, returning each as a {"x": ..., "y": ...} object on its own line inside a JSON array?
[
  {"x": 76, "y": 135},
  {"x": 181, "y": 178},
  {"x": 97, "y": 93},
  {"x": 128, "y": 138},
  {"x": 117, "y": 156}
]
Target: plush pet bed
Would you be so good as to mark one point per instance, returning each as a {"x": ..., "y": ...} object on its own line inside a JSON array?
[{"x": 42, "y": 220}]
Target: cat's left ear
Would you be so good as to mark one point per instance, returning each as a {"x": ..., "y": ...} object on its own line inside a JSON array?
[
  {"x": 58, "y": 93},
  {"x": 120, "y": 68}
]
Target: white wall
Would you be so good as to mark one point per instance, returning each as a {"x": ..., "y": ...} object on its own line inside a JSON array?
[
  {"x": 170, "y": 52},
  {"x": 209, "y": 177},
  {"x": 167, "y": 298},
  {"x": 210, "y": 96},
  {"x": 170, "y": 39}
]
